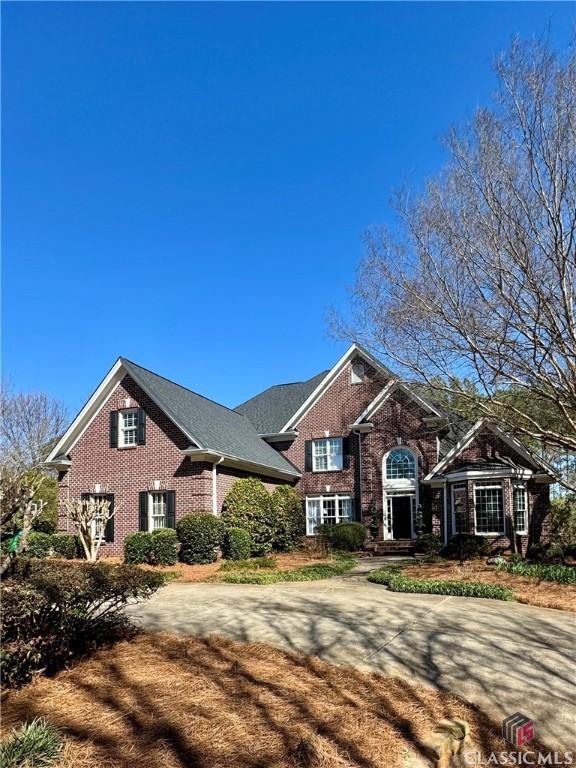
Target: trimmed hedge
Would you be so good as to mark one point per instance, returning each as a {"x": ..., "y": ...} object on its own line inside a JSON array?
[
  {"x": 41, "y": 545},
  {"x": 468, "y": 545},
  {"x": 138, "y": 548},
  {"x": 236, "y": 544},
  {"x": 53, "y": 612},
  {"x": 338, "y": 566},
  {"x": 164, "y": 546},
  {"x": 289, "y": 517},
  {"x": 248, "y": 505},
  {"x": 398, "y": 582},
  {"x": 429, "y": 544},
  {"x": 346, "y": 537},
  {"x": 200, "y": 535},
  {"x": 562, "y": 574},
  {"x": 66, "y": 545},
  {"x": 38, "y": 544}
]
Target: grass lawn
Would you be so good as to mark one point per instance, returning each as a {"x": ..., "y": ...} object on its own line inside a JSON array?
[
  {"x": 545, "y": 594},
  {"x": 170, "y": 702}
]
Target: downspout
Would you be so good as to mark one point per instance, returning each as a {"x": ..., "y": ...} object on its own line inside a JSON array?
[{"x": 215, "y": 485}]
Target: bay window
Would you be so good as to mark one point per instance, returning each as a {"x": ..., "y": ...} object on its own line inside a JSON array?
[
  {"x": 489, "y": 508},
  {"x": 520, "y": 507}
]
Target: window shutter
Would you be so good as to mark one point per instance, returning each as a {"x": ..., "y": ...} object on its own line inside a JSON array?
[
  {"x": 109, "y": 530},
  {"x": 170, "y": 509},
  {"x": 141, "y": 426},
  {"x": 345, "y": 453},
  {"x": 308, "y": 456},
  {"x": 143, "y": 510},
  {"x": 113, "y": 429}
]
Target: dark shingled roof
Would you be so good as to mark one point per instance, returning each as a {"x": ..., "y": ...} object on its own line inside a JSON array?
[
  {"x": 270, "y": 410},
  {"x": 214, "y": 426}
]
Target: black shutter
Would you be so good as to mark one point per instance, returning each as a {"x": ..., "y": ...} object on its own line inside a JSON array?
[
  {"x": 170, "y": 509},
  {"x": 143, "y": 510},
  {"x": 308, "y": 456},
  {"x": 345, "y": 453},
  {"x": 109, "y": 529},
  {"x": 113, "y": 429},
  {"x": 141, "y": 426}
]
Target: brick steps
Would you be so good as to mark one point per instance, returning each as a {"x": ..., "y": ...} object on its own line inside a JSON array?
[{"x": 394, "y": 547}]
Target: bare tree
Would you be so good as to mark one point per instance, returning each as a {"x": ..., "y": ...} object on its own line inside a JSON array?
[
  {"x": 19, "y": 506},
  {"x": 473, "y": 294},
  {"x": 29, "y": 424},
  {"x": 90, "y": 517}
]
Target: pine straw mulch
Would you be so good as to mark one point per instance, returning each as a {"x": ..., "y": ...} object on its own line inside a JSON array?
[
  {"x": 190, "y": 574},
  {"x": 162, "y": 701},
  {"x": 544, "y": 594}
]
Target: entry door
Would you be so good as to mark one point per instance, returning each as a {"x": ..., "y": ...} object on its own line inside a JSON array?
[{"x": 402, "y": 517}]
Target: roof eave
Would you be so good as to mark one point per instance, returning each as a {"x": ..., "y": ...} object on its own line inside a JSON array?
[{"x": 218, "y": 457}]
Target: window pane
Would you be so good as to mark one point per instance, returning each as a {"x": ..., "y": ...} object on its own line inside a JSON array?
[
  {"x": 329, "y": 510},
  {"x": 345, "y": 511},
  {"x": 312, "y": 516},
  {"x": 489, "y": 510},
  {"x": 158, "y": 511},
  {"x": 520, "y": 507},
  {"x": 400, "y": 465},
  {"x": 327, "y": 454}
]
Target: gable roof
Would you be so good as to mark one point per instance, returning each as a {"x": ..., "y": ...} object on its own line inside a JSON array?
[
  {"x": 468, "y": 437},
  {"x": 207, "y": 424},
  {"x": 269, "y": 410},
  {"x": 386, "y": 392}
]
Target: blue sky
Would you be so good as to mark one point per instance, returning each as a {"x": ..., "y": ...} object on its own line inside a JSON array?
[{"x": 187, "y": 184}]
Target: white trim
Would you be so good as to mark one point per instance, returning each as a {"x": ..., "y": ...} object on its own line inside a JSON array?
[
  {"x": 495, "y": 486},
  {"x": 336, "y": 496},
  {"x": 329, "y": 456},
  {"x": 122, "y": 428},
  {"x": 329, "y": 379},
  {"x": 395, "y": 487},
  {"x": 445, "y": 496},
  {"x": 151, "y": 495},
  {"x": 454, "y": 487},
  {"x": 486, "y": 474},
  {"x": 458, "y": 448},
  {"x": 385, "y": 393},
  {"x": 521, "y": 531}
]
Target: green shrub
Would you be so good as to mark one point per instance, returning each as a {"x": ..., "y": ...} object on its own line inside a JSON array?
[
  {"x": 346, "y": 537},
  {"x": 164, "y": 542},
  {"x": 466, "y": 545},
  {"x": 289, "y": 517},
  {"x": 336, "y": 567},
  {"x": 563, "y": 574},
  {"x": 47, "y": 520},
  {"x": 32, "y": 745},
  {"x": 38, "y": 544},
  {"x": 428, "y": 544},
  {"x": 248, "y": 506},
  {"x": 55, "y": 611},
  {"x": 563, "y": 522},
  {"x": 253, "y": 564},
  {"x": 200, "y": 535},
  {"x": 398, "y": 582},
  {"x": 545, "y": 553},
  {"x": 66, "y": 545},
  {"x": 236, "y": 544},
  {"x": 138, "y": 548}
]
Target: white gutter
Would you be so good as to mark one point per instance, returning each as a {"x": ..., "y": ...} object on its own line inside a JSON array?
[{"x": 213, "y": 457}]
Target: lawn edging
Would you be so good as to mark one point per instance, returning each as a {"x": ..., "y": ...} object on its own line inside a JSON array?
[
  {"x": 339, "y": 565},
  {"x": 396, "y": 581}
]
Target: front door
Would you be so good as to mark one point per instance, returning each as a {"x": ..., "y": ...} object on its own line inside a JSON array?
[{"x": 402, "y": 517}]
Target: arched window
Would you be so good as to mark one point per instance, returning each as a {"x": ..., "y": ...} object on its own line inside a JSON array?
[{"x": 400, "y": 465}]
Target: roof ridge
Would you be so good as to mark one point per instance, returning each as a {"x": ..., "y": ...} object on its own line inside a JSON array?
[{"x": 186, "y": 389}]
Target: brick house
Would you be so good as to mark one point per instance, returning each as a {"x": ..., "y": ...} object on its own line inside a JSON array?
[{"x": 355, "y": 441}]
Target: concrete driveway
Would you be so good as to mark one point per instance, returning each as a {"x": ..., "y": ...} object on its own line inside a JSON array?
[{"x": 504, "y": 657}]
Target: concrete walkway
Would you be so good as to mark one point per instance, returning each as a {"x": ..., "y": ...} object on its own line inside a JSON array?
[{"x": 504, "y": 657}]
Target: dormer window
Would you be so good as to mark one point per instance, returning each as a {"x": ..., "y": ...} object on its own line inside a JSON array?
[{"x": 128, "y": 428}]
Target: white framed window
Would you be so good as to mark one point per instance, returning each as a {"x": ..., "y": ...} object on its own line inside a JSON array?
[
  {"x": 98, "y": 524},
  {"x": 520, "y": 507},
  {"x": 330, "y": 508},
  {"x": 327, "y": 454},
  {"x": 488, "y": 508},
  {"x": 128, "y": 428},
  {"x": 400, "y": 464},
  {"x": 357, "y": 373},
  {"x": 156, "y": 511}
]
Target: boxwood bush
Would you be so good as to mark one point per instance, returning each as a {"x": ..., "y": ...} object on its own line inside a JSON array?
[
  {"x": 138, "y": 548},
  {"x": 236, "y": 544},
  {"x": 66, "y": 545},
  {"x": 289, "y": 518},
  {"x": 54, "y": 611},
  {"x": 164, "y": 546},
  {"x": 200, "y": 535},
  {"x": 428, "y": 544},
  {"x": 398, "y": 582},
  {"x": 38, "y": 544},
  {"x": 248, "y": 506},
  {"x": 468, "y": 545},
  {"x": 347, "y": 537}
]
